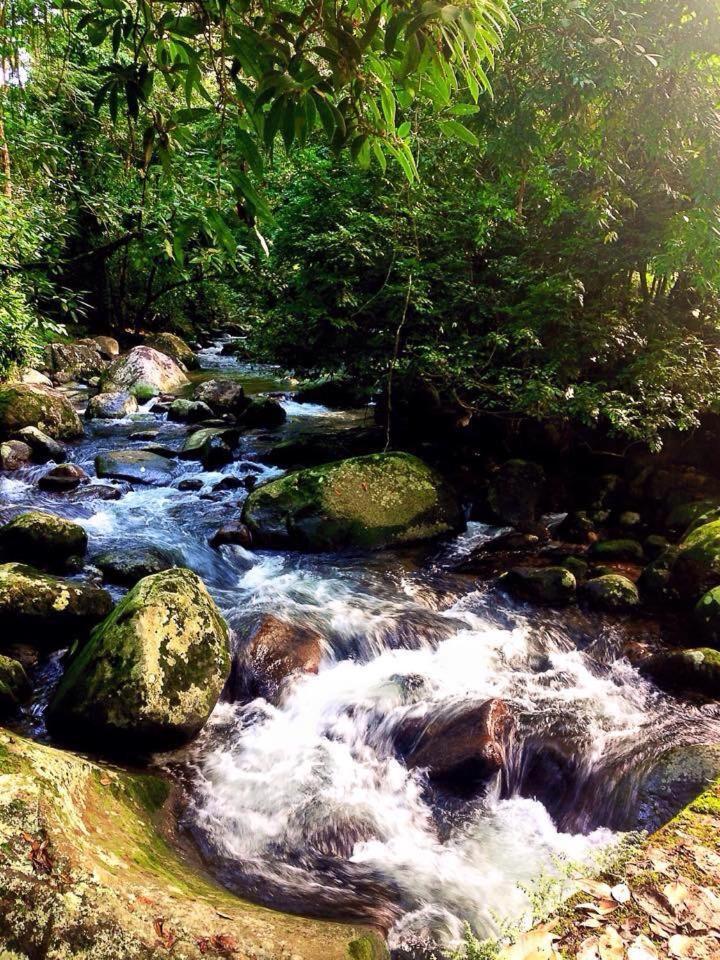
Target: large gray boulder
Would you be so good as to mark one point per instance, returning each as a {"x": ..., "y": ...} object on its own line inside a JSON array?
[
  {"x": 111, "y": 406},
  {"x": 135, "y": 466},
  {"x": 76, "y": 361}
]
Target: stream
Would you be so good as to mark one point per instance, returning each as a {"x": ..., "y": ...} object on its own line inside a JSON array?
[{"x": 305, "y": 805}]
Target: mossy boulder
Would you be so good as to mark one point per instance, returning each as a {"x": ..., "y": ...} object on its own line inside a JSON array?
[
  {"x": 45, "y": 610},
  {"x": 112, "y": 883},
  {"x": 14, "y": 685},
  {"x": 263, "y": 412},
  {"x": 338, "y": 393},
  {"x": 213, "y": 446},
  {"x": 77, "y": 361},
  {"x": 145, "y": 373},
  {"x": 654, "y": 582},
  {"x": 617, "y": 551},
  {"x": 127, "y": 565},
  {"x": 707, "y": 618},
  {"x": 222, "y": 395},
  {"x": 135, "y": 466},
  {"x": 189, "y": 411},
  {"x": 42, "y": 539},
  {"x": 376, "y": 501},
  {"x": 696, "y": 567},
  {"x": 685, "y": 515},
  {"x": 175, "y": 347},
  {"x": 14, "y": 454},
  {"x": 152, "y": 672},
  {"x": 577, "y": 566},
  {"x": 554, "y": 586},
  {"x": 696, "y": 669},
  {"x": 611, "y": 592},
  {"x": 43, "y": 447},
  {"x": 29, "y": 405}
]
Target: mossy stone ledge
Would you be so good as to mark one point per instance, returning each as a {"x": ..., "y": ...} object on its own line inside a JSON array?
[
  {"x": 110, "y": 872},
  {"x": 151, "y": 673},
  {"x": 42, "y": 539},
  {"x": 371, "y": 502}
]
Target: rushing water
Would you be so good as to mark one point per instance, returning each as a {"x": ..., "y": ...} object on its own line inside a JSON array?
[{"x": 305, "y": 804}]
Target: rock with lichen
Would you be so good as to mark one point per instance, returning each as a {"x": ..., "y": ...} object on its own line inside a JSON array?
[
  {"x": 42, "y": 539},
  {"x": 553, "y": 586},
  {"x": 175, "y": 347},
  {"x": 152, "y": 672},
  {"x": 14, "y": 684},
  {"x": 380, "y": 500},
  {"x": 145, "y": 373},
  {"x": 32, "y": 405},
  {"x": 45, "y": 610},
  {"x": 611, "y": 592}
]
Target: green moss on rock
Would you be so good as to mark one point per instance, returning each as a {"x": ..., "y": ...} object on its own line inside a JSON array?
[
  {"x": 695, "y": 669},
  {"x": 611, "y": 592},
  {"x": 707, "y": 617},
  {"x": 554, "y": 586},
  {"x": 14, "y": 684},
  {"x": 369, "y": 502},
  {"x": 42, "y": 539},
  {"x": 29, "y": 405},
  {"x": 617, "y": 551},
  {"x": 152, "y": 672}
]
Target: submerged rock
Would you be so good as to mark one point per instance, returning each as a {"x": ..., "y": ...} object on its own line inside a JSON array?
[
  {"x": 14, "y": 685},
  {"x": 66, "y": 476},
  {"x": 463, "y": 744},
  {"x": 376, "y": 501},
  {"x": 145, "y": 373},
  {"x": 135, "y": 466},
  {"x": 611, "y": 592},
  {"x": 43, "y": 447},
  {"x": 554, "y": 586},
  {"x": 222, "y": 396},
  {"x": 27, "y": 405},
  {"x": 152, "y": 672},
  {"x": 127, "y": 565},
  {"x": 175, "y": 347},
  {"x": 111, "y": 406},
  {"x": 46, "y": 610},
  {"x": 276, "y": 652},
  {"x": 42, "y": 539}
]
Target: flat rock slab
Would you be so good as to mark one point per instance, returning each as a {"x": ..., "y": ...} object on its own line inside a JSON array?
[{"x": 136, "y": 466}]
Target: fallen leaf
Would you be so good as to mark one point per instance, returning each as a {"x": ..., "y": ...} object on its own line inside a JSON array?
[
  {"x": 694, "y": 948},
  {"x": 588, "y": 950},
  {"x": 620, "y": 892},
  {"x": 655, "y": 906},
  {"x": 595, "y": 888},
  {"x": 611, "y": 945},
  {"x": 642, "y": 949},
  {"x": 593, "y": 923},
  {"x": 536, "y": 944},
  {"x": 675, "y": 894},
  {"x": 166, "y": 937}
]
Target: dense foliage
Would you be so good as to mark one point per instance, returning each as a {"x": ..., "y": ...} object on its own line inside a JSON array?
[{"x": 557, "y": 255}]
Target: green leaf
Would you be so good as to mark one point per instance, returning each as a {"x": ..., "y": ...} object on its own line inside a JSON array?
[
  {"x": 387, "y": 102},
  {"x": 457, "y": 131}
]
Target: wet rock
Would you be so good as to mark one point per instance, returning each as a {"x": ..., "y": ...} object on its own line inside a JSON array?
[
  {"x": 99, "y": 491},
  {"x": 228, "y": 483},
  {"x": 617, "y": 551},
  {"x": 45, "y": 609},
  {"x": 145, "y": 373},
  {"x": 74, "y": 361},
  {"x": 14, "y": 685},
  {"x": 696, "y": 566},
  {"x": 549, "y": 774},
  {"x": 696, "y": 669},
  {"x": 190, "y": 483},
  {"x": 654, "y": 546},
  {"x": 370, "y": 502},
  {"x": 35, "y": 378},
  {"x": 175, "y": 347},
  {"x": 108, "y": 346},
  {"x": 463, "y": 744},
  {"x": 66, "y": 476},
  {"x": 42, "y": 540},
  {"x": 111, "y": 406},
  {"x": 127, "y": 565},
  {"x": 152, "y": 672},
  {"x": 310, "y": 449},
  {"x": 337, "y": 393},
  {"x": 554, "y": 586},
  {"x": 578, "y": 567},
  {"x": 43, "y": 447},
  {"x": 515, "y": 491},
  {"x": 231, "y": 533},
  {"x": 685, "y": 515},
  {"x": 276, "y": 652},
  {"x": 629, "y": 520},
  {"x": 14, "y": 454},
  {"x": 222, "y": 396},
  {"x": 264, "y": 412},
  {"x": 189, "y": 411},
  {"x": 655, "y": 580},
  {"x": 27, "y": 405},
  {"x": 213, "y": 446},
  {"x": 577, "y": 527},
  {"x": 611, "y": 592},
  {"x": 135, "y": 466},
  {"x": 144, "y": 434}
]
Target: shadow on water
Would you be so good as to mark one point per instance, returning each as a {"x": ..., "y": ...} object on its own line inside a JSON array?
[{"x": 306, "y": 804}]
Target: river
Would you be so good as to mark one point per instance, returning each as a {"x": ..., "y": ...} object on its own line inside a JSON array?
[{"x": 305, "y": 805}]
